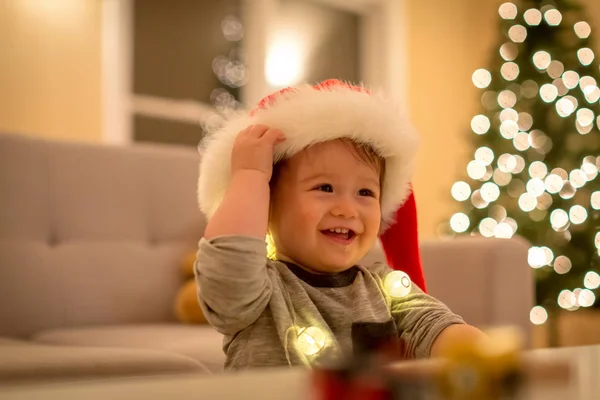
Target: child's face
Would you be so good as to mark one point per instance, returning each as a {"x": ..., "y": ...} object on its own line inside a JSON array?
[{"x": 325, "y": 211}]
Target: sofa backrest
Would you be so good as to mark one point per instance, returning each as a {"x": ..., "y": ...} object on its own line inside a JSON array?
[{"x": 92, "y": 234}]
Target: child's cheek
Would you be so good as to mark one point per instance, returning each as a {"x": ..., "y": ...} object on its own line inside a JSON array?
[{"x": 309, "y": 211}]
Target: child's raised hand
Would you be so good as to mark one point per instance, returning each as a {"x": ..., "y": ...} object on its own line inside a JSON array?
[{"x": 253, "y": 149}]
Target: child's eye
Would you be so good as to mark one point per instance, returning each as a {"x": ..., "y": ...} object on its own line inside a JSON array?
[
  {"x": 366, "y": 193},
  {"x": 325, "y": 188}
]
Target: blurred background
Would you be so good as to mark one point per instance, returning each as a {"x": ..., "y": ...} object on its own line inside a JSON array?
[{"x": 119, "y": 72}]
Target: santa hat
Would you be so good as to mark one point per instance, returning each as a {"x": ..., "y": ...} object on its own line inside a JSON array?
[{"x": 311, "y": 114}]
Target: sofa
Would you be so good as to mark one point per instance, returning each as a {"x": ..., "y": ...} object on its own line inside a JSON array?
[{"x": 91, "y": 237}]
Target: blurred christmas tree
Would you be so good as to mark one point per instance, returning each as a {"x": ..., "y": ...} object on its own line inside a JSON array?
[{"x": 535, "y": 164}]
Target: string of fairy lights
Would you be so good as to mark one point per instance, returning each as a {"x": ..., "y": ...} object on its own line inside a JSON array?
[{"x": 534, "y": 195}]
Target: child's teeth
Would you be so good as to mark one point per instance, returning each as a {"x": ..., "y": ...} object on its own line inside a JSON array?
[{"x": 338, "y": 230}]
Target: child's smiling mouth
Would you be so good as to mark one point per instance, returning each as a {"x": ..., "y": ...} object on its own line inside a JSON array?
[{"x": 340, "y": 235}]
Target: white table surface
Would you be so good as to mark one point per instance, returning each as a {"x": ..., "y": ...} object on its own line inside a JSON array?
[{"x": 292, "y": 384}]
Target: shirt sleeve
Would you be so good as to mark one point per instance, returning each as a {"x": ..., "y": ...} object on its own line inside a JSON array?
[
  {"x": 232, "y": 281},
  {"x": 420, "y": 317}
]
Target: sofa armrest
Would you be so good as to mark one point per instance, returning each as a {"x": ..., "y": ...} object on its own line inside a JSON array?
[{"x": 487, "y": 281}]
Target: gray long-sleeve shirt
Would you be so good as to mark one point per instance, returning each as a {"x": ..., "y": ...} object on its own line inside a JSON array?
[{"x": 273, "y": 313}]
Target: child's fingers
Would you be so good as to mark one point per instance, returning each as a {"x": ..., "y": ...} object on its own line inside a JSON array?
[
  {"x": 274, "y": 136},
  {"x": 257, "y": 131}
]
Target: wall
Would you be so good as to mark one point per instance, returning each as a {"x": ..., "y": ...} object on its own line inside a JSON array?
[
  {"x": 50, "y": 74},
  {"x": 446, "y": 42}
]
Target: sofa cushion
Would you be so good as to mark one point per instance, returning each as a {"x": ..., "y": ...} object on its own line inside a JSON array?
[
  {"x": 96, "y": 232},
  {"x": 23, "y": 361},
  {"x": 202, "y": 343}
]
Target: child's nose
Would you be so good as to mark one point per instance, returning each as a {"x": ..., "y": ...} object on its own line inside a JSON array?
[{"x": 344, "y": 207}]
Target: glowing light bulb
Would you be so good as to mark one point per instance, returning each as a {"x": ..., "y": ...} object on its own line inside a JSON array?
[
  {"x": 481, "y": 78},
  {"x": 570, "y": 79},
  {"x": 503, "y": 231},
  {"x": 527, "y": 202},
  {"x": 578, "y": 214},
  {"x": 538, "y": 315},
  {"x": 562, "y": 265},
  {"x": 586, "y": 298},
  {"x": 521, "y": 141},
  {"x": 480, "y": 124},
  {"x": 553, "y": 17},
  {"x": 507, "y": 10},
  {"x": 509, "y": 51},
  {"x": 476, "y": 170},
  {"x": 542, "y": 59},
  {"x": 487, "y": 226},
  {"x": 536, "y": 257},
  {"x": 567, "y": 299},
  {"x": 517, "y": 33},
  {"x": 578, "y": 178},
  {"x": 533, "y": 17},
  {"x": 595, "y": 200},
  {"x": 311, "y": 340},
  {"x": 490, "y": 192},
  {"x": 397, "y": 284},
  {"x": 585, "y": 56},
  {"x": 559, "y": 219},
  {"x": 536, "y": 187},
  {"x": 582, "y": 29},
  {"x": 591, "y": 280},
  {"x": 548, "y": 92},
  {"x": 538, "y": 169},
  {"x": 484, "y": 155},
  {"x": 507, "y": 162},
  {"x": 565, "y": 106},
  {"x": 509, "y": 71}
]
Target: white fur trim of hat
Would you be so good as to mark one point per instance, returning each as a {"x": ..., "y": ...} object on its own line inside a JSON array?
[{"x": 311, "y": 114}]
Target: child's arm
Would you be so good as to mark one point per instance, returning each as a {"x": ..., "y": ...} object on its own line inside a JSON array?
[
  {"x": 245, "y": 207},
  {"x": 231, "y": 276},
  {"x": 420, "y": 318},
  {"x": 453, "y": 334}
]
